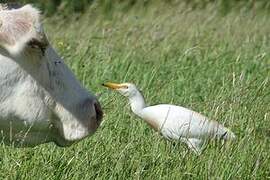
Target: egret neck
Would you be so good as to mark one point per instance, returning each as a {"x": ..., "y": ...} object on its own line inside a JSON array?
[{"x": 137, "y": 103}]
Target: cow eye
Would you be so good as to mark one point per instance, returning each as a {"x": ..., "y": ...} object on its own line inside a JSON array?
[{"x": 34, "y": 43}]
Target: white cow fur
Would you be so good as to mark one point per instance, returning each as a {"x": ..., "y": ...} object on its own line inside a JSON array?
[{"x": 40, "y": 99}]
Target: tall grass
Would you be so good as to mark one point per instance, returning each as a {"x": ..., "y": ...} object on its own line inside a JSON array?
[
  {"x": 65, "y": 7},
  {"x": 215, "y": 65}
]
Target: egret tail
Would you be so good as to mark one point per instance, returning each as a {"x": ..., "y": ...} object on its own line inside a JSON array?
[{"x": 224, "y": 133}]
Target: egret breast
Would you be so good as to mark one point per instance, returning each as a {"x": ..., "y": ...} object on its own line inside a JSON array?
[{"x": 154, "y": 124}]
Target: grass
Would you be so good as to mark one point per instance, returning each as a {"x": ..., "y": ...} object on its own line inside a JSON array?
[{"x": 216, "y": 65}]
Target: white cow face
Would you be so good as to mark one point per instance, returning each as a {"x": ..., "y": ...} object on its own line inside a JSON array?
[{"x": 40, "y": 99}]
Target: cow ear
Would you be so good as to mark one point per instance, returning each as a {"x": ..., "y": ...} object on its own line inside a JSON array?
[{"x": 17, "y": 27}]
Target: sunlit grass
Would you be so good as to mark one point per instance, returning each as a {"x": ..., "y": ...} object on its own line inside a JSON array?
[{"x": 219, "y": 66}]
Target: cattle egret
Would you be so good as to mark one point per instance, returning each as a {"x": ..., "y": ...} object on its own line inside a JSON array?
[{"x": 173, "y": 122}]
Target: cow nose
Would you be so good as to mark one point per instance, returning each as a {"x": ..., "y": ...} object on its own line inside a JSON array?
[{"x": 99, "y": 112}]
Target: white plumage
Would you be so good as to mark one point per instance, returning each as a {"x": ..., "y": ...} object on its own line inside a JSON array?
[{"x": 174, "y": 122}]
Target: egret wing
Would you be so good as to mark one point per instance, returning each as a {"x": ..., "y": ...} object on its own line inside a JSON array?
[{"x": 176, "y": 122}]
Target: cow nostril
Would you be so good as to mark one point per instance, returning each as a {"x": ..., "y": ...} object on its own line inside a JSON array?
[
  {"x": 99, "y": 113},
  {"x": 94, "y": 104}
]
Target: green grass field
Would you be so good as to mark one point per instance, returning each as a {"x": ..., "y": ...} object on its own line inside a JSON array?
[{"x": 216, "y": 65}]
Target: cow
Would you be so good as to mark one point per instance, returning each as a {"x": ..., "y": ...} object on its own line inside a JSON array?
[{"x": 41, "y": 101}]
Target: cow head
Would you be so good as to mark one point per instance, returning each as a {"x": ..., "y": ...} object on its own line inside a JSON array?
[{"x": 38, "y": 91}]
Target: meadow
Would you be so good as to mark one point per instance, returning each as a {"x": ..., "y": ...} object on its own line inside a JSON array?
[{"x": 217, "y": 65}]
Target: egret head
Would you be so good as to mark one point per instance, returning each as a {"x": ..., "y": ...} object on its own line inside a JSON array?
[{"x": 126, "y": 89}]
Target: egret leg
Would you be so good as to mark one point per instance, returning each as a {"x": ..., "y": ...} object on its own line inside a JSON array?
[{"x": 194, "y": 144}]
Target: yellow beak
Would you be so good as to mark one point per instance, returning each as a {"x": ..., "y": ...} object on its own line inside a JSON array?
[{"x": 113, "y": 85}]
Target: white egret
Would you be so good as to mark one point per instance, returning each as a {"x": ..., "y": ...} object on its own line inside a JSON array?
[{"x": 173, "y": 122}]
